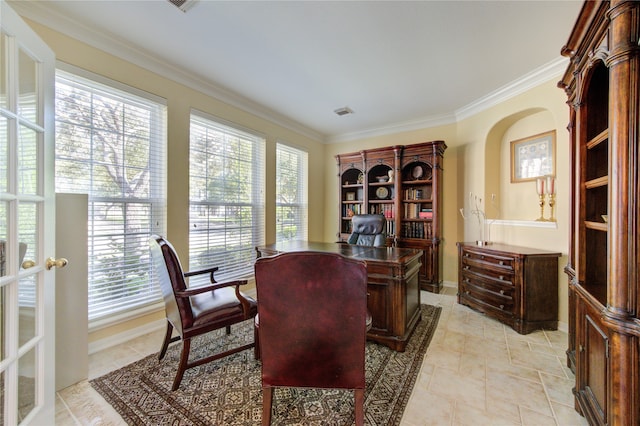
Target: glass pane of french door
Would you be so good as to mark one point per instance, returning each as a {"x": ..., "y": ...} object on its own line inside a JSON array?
[{"x": 26, "y": 171}]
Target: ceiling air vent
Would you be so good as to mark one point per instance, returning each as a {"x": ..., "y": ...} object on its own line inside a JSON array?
[
  {"x": 343, "y": 111},
  {"x": 183, "y": 5}
]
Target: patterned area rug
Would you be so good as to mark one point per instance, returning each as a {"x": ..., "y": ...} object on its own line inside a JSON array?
[{"x": 228, "y": 391}]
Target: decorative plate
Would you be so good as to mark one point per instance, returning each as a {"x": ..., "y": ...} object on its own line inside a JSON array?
[
  {"x": 382, "y": 193},
  {"x": 416, "y": 172}
]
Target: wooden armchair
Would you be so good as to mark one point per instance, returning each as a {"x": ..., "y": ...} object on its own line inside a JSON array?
[
  {"x": 197, "y": 310},
  {"x": 312, "y": 313}
]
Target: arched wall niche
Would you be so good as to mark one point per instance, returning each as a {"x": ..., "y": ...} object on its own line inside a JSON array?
[{"x": 506, "y": 200}]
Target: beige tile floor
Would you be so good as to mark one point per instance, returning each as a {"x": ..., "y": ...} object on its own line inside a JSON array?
[{"x": 476, "y": 372}]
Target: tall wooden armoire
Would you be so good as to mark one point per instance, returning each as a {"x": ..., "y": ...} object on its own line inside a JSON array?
[{"x": 602, "y": 83}]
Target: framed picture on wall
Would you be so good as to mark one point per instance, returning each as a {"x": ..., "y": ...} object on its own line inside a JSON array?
[{"x": 533, "y": 157}]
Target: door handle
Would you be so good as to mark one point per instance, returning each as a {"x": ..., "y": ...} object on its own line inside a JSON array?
[
  {"x": 55, "y": 263},
  {"x": 28, "y": 264}
]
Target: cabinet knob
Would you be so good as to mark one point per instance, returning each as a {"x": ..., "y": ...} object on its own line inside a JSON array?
[
  {"x": 502, "y": 262},
  {"x": 466, "y": 280},
  {"x": 501, "y": 291},
  {"x": 581, "y": 348},
  {"x": 501, "y": 306},
  {"x": 466, "y": 267},
  {"x": 501, "y": 277},
  {"x": 467, "y": 292}
]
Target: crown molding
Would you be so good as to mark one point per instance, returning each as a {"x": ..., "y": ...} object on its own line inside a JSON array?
[
  {"x": 538, "y": 76},
  {"x": 407, "y": 126}
]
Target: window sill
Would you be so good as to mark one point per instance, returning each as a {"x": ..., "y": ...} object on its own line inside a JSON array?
[
  {"x": 112, "y": 320},
  {"x": 128, "y": 334}
]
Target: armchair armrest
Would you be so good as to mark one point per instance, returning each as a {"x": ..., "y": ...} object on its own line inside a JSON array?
[
  {"x": 192, "y": 291},
  {"x": 203, "y": 271},
  {"x": 211, "y": 287}
]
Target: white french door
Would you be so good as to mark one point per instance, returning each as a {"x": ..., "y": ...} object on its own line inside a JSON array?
[{"x": 27, "y": 292}]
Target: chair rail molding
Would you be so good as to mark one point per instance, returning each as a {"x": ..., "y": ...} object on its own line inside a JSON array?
[{"x": 522, "y": 223}]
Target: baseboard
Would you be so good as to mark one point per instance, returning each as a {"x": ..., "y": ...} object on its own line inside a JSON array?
[
  {"x": 563, "y": 326},
  {"x": 451, "y": 284},
  {"x": 127, "y": 335}
]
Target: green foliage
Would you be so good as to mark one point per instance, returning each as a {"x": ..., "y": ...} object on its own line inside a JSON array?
[
  {"x": 108, "y": 133},
  {"x": 103, "y": 144}
]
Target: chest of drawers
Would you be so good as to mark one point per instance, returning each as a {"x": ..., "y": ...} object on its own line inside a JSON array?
[{"x": 515, "y": 285}]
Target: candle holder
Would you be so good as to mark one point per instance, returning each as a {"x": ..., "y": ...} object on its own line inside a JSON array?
[
  {"x": 540, "y": 190},
  {"x": 552, "y": 202},
  {"x": 541, "y": 204}
]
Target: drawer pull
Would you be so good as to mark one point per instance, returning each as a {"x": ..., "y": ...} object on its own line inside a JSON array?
[
  {"x": 501, "y": 291},
  {"x": 501, "y": 306},
  {"x": 502, "y": 262},
  {"x": 501, "y": 278},
  {"x": 467, "y": 292},
  {"x": 466, "y": 268},
  {"x": 466, "y": 280}
]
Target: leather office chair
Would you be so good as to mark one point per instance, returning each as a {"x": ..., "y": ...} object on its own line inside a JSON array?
[
  {"x": 368, "y": 230},
  {"x": 312, "y": 315},
  {"x": 197, "y": 310}
]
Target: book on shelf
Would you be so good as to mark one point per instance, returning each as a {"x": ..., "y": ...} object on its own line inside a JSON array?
[
  {"x": 387, "y": 210},
  {"x": 391, "y": 228},
  {"x": 412, "y": 210},
  {"x": 417, "y": 230},
  {"x": 417, "y": 194},
  {"x": 426, "y": 213},
  {"x": 351, "y": 209}
]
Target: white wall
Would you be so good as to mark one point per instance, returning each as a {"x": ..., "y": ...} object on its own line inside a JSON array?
[{"x": 72, "y": 324}]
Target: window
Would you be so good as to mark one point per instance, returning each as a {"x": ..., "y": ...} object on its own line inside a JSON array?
[
  {"x": 111, "y": 144},
  {"x": 226, "y": 197},
  {"x": 291, "y": 193}
]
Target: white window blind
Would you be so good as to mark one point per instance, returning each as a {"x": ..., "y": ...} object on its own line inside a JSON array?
[
  {"x": 291, "y": 193},
  {"x": 111, "y": 144},
  {"x": 226, "y": 197}
]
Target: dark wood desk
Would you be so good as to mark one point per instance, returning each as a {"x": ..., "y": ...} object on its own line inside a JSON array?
[{"x": 393, "y": 285}]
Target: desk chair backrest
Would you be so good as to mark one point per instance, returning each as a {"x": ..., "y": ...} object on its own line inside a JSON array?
[
  {"x": 368, "y": 230},
  {"x": 171, "y": 279},
  {"x": 312, "y": 310}
]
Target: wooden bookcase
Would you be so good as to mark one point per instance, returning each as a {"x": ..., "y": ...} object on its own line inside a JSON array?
[
  {"x": 403, "y": 183},
  {"x": 602, "y": 84}
]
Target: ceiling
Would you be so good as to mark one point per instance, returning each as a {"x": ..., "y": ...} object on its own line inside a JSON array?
[{"x": 397, "y": 64}]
